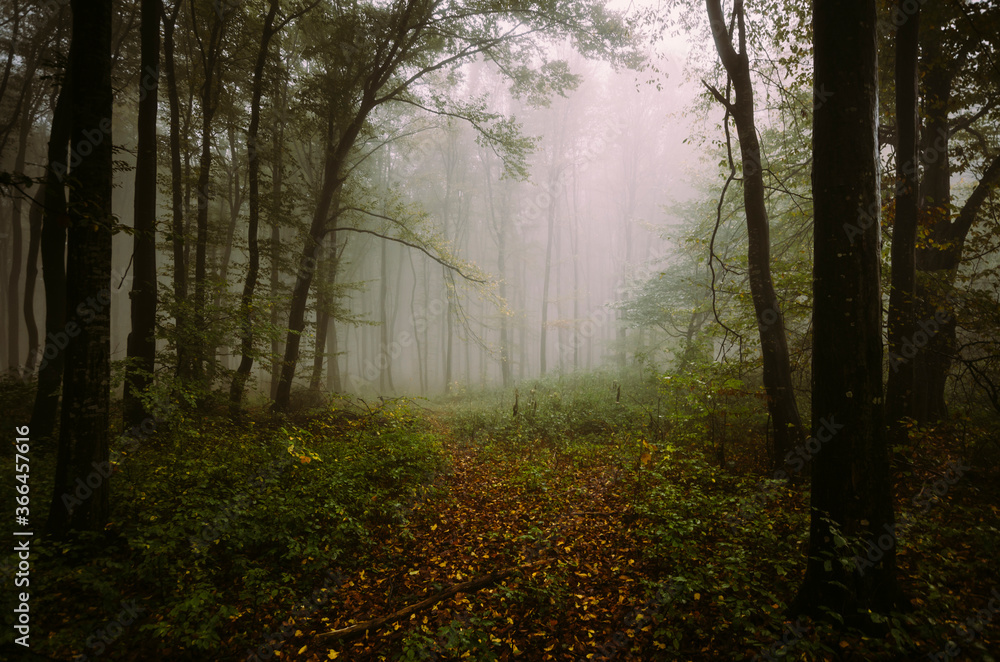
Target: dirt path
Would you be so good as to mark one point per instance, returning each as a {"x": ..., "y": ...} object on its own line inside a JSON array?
[{"x": 586, "y": 599}]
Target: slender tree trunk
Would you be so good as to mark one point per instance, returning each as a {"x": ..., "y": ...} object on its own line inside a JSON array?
[
  {"x": 770, "y": 323},
  {"x": 181, "y": 312},
  {"x": 851, "y": 484},
  {"x": 385, "y": 374},
  {"x": 17, "y": 203},
  {"x": 142, "y": 341},
  {"x": 53, "y": 249},
  {"x": 275, "y": 276},
  {"x": 253, "y": 166},
  {"x": 322, "y": 329},
  {"x": 83, "y": 436},
  {"x": 210, "y": 56},
  {"x": 333, "y": 381},
  {"x": 418, "y": 324},
  {"x": 551, "y": 224},
  {"x": 899, "y": 390},
  {"x": 31, "y": 278},
  {"x": 336, "y": 155}
]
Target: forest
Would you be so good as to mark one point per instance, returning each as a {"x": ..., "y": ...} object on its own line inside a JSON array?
[{"x": 523, "y": 330}]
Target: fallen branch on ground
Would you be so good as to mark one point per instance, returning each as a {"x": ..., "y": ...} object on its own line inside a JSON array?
[{"x": 464, "y": 587}]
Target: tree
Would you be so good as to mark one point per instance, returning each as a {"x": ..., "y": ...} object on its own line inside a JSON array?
[
  {"x": 770, "y": 323},
  {"x": 83, "y": 432},
  {"x": 956, "y": 42},
  {"x": 246, "y": 301},
  {"x": 403, "y": 43},
  {"x": 851, "y": 491},
  {"x": 902, "y": 322},
  {"x": 53, "y": 253},
  {"x": 141, "y": 341}
]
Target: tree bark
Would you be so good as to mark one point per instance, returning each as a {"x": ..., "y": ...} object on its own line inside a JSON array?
[
  {"x": 31, "y": 278},
  {"x": 253, "y": 166},
  {"x": 210, "y": 53},
  {"x": 770, "y": 323},
  {"x": 899, "y": 389},
  {"x": 16, "y": 241},
  {"x": 336, "y": 155},
  {"x": 177, "y": 233},
  {"x": 142, "y": 340},
  {"x": 53, "y": 250},
  {"x": 851, "y": 487},
  {"x": 83, "y": 435}
]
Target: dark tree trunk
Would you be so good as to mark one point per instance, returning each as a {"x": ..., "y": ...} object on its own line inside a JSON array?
[
  {"x": 851, "y": 486},
  {"x": 385, "y": 374},
  {"x": 16, "y": 241},
  {"x": 81, "y": 488},
  {"x": 210, "y": 53},
  {"x": 275, "y": 276},
  {"x": 770, "y": 323},
  {"x": 142, "y": 339},
  {"x": 53, "y": 250},
  {"x": 336, "y": 155},
  {"x": 253, "y": 166},
  {"x": 899, "y": 389},
  {"x": 31, "y": 278},
  {"x": 181, "y": 317},
  {"x": 939, "y": 257}
]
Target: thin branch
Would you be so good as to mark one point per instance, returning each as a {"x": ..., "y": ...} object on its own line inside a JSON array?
[{"x": 420, "y": 248}]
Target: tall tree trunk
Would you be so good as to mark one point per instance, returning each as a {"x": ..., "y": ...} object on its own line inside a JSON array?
[
  {"x": 902, "y": 322},
  {"x": 181, "y": 314},
  {"x": 83, "y": 433},
  {"x": 53, "y": 249},
  {"x": 17, "y": 203},
  {"x": 322, "y": 329},
  {"x": 246, "y": 299},
  {"x": 333, "y": 380},
  {"x": 385, "y": 374},
  {"x": 142, "y": 340},
  {"x": 851, "y": 486},
  {"x": 31, "y": 278},
  {"x": 275, "y": 275},
  {"x": 210, "y": 54},
  {"x": 940, "y": 255},
  {"x": 417, "y": 326},
  {"x": 338, "y": 146},
  {"x": 770, "y": 325},
  {"x": 550, "y": 234}
]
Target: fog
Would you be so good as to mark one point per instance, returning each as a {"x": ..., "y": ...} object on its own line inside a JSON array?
[{"x": 514, "y": 256}]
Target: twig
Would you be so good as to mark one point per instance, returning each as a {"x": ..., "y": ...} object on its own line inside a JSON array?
[{"x": 464, "y": 587}]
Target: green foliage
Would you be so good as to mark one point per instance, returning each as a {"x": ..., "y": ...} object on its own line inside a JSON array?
[{"x": 217, "y": 526}]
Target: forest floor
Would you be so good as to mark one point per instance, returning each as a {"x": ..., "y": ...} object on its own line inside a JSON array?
[
  {"x": 585, "y": 582},
  {"x": 588, "y": 526}
]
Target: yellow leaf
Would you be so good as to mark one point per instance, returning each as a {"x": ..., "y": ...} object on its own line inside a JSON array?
[
  {"x": 303, "y": 649},
  {"x": 332, "y": 655}
]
